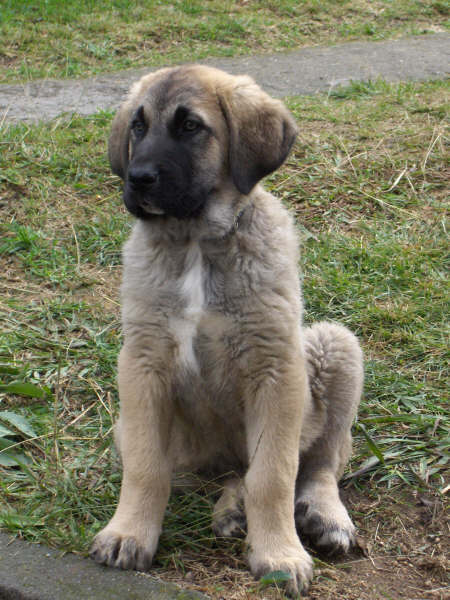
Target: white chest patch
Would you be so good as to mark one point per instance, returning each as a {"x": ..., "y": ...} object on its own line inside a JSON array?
[{"x": 191, "y": 289}]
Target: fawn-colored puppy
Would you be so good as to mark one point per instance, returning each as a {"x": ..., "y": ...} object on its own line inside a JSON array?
[{"x": 216, "y": 373}]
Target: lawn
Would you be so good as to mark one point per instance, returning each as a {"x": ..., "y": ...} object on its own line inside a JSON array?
[
  {"x": 367, "y": 182},
  {"x": 50, "y": 38}
]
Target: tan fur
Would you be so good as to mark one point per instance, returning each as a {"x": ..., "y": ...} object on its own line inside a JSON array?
[{"x": 216, "y": 373}]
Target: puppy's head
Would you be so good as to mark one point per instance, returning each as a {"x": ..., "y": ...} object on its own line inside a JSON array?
[{"x": 185, "y": 133}]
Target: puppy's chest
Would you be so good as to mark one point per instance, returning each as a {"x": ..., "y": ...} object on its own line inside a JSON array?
[{"x": 195, "y": 299}]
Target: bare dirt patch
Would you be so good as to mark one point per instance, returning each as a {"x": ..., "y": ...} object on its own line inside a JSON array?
[{"x": 403, "y": 555}]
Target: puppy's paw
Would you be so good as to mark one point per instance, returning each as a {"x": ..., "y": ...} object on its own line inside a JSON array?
[
  {"x": 231, "y": 523},
  {"x": 330, "y": 528},
  {"x": 294, "y": 561},
  {"x": 122, "y": 551}
]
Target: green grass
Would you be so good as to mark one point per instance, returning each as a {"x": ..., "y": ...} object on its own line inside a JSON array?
[
  {"x": 49, "y": 38},
  {"x": 367, "y": 181}
]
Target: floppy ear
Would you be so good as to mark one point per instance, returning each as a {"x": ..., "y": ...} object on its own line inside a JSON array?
[
  {"x": 262, "y": 132},
  {"x": 119, "y": 140}
]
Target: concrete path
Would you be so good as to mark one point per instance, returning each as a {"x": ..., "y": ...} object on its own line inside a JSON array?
[
  {"x": 300, "y": 72},
  {"x": 33, "y": 572}
]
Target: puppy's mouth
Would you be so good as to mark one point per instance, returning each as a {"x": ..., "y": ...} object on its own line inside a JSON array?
[
  {"x": 145, "y": 205},
  {"x": 139, "y": 203},
  {"x": 150, "y": 209}
]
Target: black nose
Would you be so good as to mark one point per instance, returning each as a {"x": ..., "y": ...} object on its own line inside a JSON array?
[{"x": 142, "y": 175}]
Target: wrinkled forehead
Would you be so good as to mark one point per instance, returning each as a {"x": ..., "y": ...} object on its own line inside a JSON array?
[{"x": 179, "y": 87}]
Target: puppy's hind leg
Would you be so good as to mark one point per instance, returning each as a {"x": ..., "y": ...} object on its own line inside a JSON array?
[
  {"x": 229, "y": 518},
  {"x": 335, "y": 370}
]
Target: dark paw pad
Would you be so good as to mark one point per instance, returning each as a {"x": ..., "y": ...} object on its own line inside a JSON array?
[
  {"x": 330, "y": 533},
  {"x": 231, "y": 524},
  {"x": 106, "y": 550},
  {"x": 120, "y": 552}
]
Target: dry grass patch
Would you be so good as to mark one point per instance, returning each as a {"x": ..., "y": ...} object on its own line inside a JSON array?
[{"x": 367, "y": 183}]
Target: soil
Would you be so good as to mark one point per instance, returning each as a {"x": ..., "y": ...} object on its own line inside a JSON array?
[{"x": 402, "y": 554}]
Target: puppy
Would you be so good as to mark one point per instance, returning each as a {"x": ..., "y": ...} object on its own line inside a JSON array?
[{"x": 216, "y": 373}]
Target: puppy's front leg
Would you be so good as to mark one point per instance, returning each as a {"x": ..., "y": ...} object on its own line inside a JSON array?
[
  {"x": 273, "y": 420},
  {"x": 130, "y": 539}
]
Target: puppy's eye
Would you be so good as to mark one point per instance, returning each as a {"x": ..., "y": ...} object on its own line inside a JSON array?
[
  {"x": 190, "y": 125},
  {"x": 138, "y": 128}
]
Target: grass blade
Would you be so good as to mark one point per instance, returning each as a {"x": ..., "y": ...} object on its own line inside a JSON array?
[
  {"x": 371, "y": 443},
  {"x": 274, "y": 578}
]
